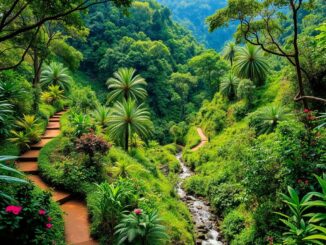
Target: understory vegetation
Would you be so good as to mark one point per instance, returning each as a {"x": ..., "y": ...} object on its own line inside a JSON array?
[{"x": 138, "y": 89}]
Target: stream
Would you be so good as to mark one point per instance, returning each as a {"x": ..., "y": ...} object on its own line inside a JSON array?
[{"x": 204, "y": 219}]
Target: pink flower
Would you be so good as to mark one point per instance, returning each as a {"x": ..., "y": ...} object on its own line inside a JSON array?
[
  {"x": 306, "y": 182},
  {"x": 306, "y": 110},
  {"x": 41, "y": 212},
  {"x": 13, "y": 209},
  {"x": 299, "y": 181},
  {"x": 48, "y": 225},
  {"x": 49, "y": 218},
  {"x": 138, "y": 211}
]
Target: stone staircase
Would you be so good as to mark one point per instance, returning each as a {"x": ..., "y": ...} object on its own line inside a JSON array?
[{"x": 75, "y": 211}]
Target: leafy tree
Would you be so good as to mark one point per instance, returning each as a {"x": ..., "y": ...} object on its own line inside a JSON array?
[
  {"x": 261, "y": 24},
  {"x": 125, "y": 84},
  {"x": 208, "y": 66},
  {"x": 126, "y": 119},
  {"x": 250, "y": 63},
  {"x": 229, "y": 52},
  {"x": 141, "y": 228},
  {"x": 229, "y": 85},
  {"x": 56, "y": 74},
  {"x": 182, "y": 83},
  {"x": 35, "y": 14}
]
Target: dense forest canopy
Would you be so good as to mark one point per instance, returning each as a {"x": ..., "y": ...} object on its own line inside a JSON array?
[{"x": 125, "y": 122}]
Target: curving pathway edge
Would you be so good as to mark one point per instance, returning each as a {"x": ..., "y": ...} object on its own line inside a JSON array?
[
  {"x": 203, "y": 139},
  {"x": 75, "y": 211}
]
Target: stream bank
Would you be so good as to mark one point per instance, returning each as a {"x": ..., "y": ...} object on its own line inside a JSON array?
[{"x": 205, "y": 221}]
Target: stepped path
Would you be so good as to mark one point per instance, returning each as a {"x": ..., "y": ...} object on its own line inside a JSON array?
[
  {"x": 75, "y": 211},
  {"x": 203, "y": 140}
]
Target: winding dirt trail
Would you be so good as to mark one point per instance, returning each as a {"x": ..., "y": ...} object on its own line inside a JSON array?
[
  {"x": 203, "y": 140},
  {"x": 75, "y": 211}
]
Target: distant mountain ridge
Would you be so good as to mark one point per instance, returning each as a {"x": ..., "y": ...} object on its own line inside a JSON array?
[{"x": 192, "y": 14}]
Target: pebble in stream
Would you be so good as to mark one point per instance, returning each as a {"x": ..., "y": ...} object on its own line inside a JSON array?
[{"x": 203, "y": 218}]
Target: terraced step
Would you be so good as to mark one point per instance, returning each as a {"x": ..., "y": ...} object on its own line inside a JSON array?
[
  {"x": 56, "y": 116},
  {"x": 58, "y": 196},
  {"x": 90, "y": 242},
  {"x": 49, "y": 134},
  {"x": 60, "y": 113},
  {"x": 40, "y": 144},
  {"x": 54, "y": 119},
  {"x": 76, "y": 223},
  {"x": 30, "y": 156},
  {"x": 53, "y": 125},
  {"x": 27, "y": 167}
]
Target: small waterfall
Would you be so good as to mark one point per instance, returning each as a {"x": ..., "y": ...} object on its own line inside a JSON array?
[{"x": 205, "y": 220}]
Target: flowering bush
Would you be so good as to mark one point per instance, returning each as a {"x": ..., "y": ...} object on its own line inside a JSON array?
[{"x": 30, "y": 219}]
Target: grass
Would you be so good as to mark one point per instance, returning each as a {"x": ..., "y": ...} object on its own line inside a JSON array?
[
  {"x": 8, "y": 148},
  {"x": 192, "y": 138}
]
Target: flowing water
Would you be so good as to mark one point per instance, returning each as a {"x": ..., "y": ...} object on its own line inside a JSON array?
[{"x": 205, "y": 220}]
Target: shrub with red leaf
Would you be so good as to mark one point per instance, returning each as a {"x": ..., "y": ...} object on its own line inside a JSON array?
[{"x": 91, "y": 144}]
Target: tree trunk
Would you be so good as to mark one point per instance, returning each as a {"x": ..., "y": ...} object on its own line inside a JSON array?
[
  {"x": 296, "y": 54},
  {"x": 127, "y": 138}
]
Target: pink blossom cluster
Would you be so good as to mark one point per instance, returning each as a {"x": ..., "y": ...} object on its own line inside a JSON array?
[{"x": 14, "y": 209}]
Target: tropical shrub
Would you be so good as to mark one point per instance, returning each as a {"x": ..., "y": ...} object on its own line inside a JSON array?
[
  {"x": 226, "y": 196},
  {"x": 267, "y": 118},
  {"x": 61, "y": 166},
  {"x": 101, "y": 115},
  {"x": 126, "y": 85},
  {"x": 81, "y": 124},
  {"x": 56, "y": 75},
  {"x": 8, "y": 179},
  {"x": 139, "y": 228},
  {"x": 6, "y": 113},
  {"x": 304, "y": 227},
  {"x": 28, "y": 131},
  {"x": 83, "y": 99},
  {"x": 106, "y": 204},
  {"x": 246, "y": 89},
  {"x": 17, "y": 91},
  {"x": 233, "y": 224},
  {"x": 90, "y": 144},
  {"x": 31, "y": 218}
]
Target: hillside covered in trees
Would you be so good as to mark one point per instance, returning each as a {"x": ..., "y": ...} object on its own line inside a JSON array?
[
  {"x": 192, "y": 15},
  {"x": 119, "y": 126}
]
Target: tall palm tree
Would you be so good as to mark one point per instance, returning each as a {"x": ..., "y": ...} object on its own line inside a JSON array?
[
  {"x": 229, "y": 52},
  {"x": 126, "y": 119},
  {"x": 229, "y": 85},
  {"x": 250, "y": 63},
  {"x": 125, "y": 84},
  {"x": 56, "y": 74}
]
